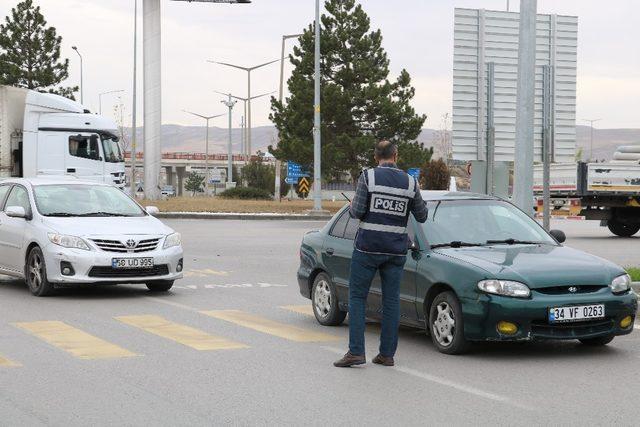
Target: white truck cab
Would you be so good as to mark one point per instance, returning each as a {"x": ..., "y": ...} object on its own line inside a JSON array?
[{"x": 44, "y": 134}]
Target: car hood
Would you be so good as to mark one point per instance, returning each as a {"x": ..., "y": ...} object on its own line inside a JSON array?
[
  {"x": 538, "y": 266},
  {"x": 106, "y": 226}
]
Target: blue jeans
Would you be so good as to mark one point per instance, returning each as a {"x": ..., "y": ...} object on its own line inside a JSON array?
[{"x": 363, "y": 269}]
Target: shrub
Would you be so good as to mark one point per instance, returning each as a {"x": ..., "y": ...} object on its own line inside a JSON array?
[
  {"x": 436, "y": 175},
  {"x": 246, "y": 193}
]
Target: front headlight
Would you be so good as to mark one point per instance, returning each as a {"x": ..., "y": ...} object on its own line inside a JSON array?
[
  {"x": 66, "y": 241},
  {"x": 621, "y": 284},
  {"x": 505, "y": 288},
  {"x": 172, "y": 240}
]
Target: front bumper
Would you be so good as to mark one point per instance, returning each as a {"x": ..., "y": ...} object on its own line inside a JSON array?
[
  {"x": 95, "y": 266},
  {"x": 531, "y": 316}
]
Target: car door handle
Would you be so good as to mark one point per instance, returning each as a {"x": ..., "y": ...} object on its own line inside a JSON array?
[{"x": 329, "y": 251}]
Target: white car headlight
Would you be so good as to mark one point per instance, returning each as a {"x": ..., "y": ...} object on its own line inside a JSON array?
[
  {"x": 68, "y": 241},
  {"x": 505, "y": 288},
  {"x": 172, "y": 240},
  {"x": 621, "y": 284}
]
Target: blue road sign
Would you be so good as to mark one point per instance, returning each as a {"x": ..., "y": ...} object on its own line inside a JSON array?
[
  {"x": 294, "y": 171},
  {"x": 414, "y": 172},
  {"x": 291, "y": 181}
]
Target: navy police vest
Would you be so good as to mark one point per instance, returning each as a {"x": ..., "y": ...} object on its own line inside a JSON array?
[{"x": 383, "y": 229}]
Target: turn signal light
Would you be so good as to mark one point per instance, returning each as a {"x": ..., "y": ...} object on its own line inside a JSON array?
[
  {"x": 626, "y": 322},
  {"x": 507, "y": 328}
]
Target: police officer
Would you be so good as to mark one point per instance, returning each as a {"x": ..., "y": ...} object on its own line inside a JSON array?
[{"x": 385, "y": 197}]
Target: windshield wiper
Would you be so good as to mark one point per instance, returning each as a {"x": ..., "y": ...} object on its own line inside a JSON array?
[
  {"x": 514, "y": 242},
  {"x": 456, "y": 244},
  {"x": 102, "y": 214},
  {"x": 60, "y": 214}
]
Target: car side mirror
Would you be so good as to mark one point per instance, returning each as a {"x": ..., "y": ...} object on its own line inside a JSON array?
[
  {"x": 152, "y": 210},
  {"x": 558, "y": 235},
  {"x": 16, "y": 212},
  {"x": 413, "y": 246}
]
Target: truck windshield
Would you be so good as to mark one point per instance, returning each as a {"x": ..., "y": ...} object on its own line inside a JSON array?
[
  {"x": 111, "y": 148},
  {"x": 79, "y": 200}
]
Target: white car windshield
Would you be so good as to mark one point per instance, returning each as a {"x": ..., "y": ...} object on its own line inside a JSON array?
[
  {"x": 480, "y": 222},
  {"x": 75, "y": 200}
]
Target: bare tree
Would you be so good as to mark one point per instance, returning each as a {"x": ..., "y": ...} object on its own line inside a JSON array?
[{"x": 442, "y": 140}]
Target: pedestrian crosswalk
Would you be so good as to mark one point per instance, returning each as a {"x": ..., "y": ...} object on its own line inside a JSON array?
[{"x": 71, "y": 337}]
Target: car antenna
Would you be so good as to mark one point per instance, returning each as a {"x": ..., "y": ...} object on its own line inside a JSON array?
[{"x": 346, "y": 197}]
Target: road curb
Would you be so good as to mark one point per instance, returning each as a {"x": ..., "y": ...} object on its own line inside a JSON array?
[
  {"x": 636, "y": 287},
  {"x": 243, "y": 216}
]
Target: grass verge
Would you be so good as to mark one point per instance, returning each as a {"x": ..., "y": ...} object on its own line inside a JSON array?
[
  {"x": 218, "y": 205},
  {"x": 634, "y": 272}
]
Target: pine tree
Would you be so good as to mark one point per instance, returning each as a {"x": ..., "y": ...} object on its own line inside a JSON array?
[
  {"x": 194, "y": 183},
  {"x": 30, "y": 52},
  {"x": 358, "y": 102}
]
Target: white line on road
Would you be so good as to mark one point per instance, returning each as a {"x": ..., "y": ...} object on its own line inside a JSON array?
[
  {"x": 448, "y": 383},
  {"x": 175, "y": 304}
]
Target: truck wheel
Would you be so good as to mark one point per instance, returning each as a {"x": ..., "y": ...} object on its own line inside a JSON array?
[
  {"x": 621, "y": 229},
  {"x": 324, "y": 300}
]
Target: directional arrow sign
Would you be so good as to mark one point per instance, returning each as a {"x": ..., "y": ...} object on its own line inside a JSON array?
[{"x": 304, "y": 186}]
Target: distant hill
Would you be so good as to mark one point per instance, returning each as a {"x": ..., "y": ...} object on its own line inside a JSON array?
[{"x": 177, "y": 138}]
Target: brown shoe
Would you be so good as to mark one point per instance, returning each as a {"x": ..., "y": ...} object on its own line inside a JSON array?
[
  {"x": 350, "y": 360},
  {"x": 383, "y": 360}
]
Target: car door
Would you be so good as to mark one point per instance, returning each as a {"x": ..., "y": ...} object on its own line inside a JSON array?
[
  {"x": 336, "y": 255},
  {"x": 13, "y": 229},
  {"x": 4, "y": 192},
  {"x": 84, "y": 157}
]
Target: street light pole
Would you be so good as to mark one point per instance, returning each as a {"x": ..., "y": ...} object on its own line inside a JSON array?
[
  {"x": 229, "y": 103},
  {"x": 317, "y": 185},
  {"x": 134, "y": 101},
  {"x": 276, "y": 193},
  {"x": 106, "y": 93},
  {"x": 591, "y": 122},
  {"x": 81, "y": 77},
  {"x": 206, "y": 152},
  {"x": 249, "y": 97}
]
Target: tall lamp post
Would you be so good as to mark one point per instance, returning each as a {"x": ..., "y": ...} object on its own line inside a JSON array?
[
  {"x": 591, "y": 122},
  {"x": 276, "y": 194},
  {"x": 317, "y": 176},
  {"x": 106, "y": 93},
  {"x": 134, "y": 101},
  {"x": 81, "y": 77},
  {"x": 206, "y": 153},
  {"x": 248, "y": 70},
  {"x": 229, "y": 103}
]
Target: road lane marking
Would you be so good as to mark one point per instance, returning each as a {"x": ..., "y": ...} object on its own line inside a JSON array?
[
  {"x": 262, "y": 324},
  {"x": 301, "y": 309},
  {"x": 6, "y": 363},
  {"x": 72, "y": 340},
  {"x": 182, "y": 334},
  {"x": 205, "y": 273},
  {"x": 448, "y": 383}
]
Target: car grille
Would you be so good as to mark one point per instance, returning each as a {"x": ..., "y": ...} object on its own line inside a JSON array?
[
  {"x": 108, "y": 272},
  {"x": 119, "y": 247},
  {"x": 543, "y": 329},
  {"x": 560, "y": 290}
]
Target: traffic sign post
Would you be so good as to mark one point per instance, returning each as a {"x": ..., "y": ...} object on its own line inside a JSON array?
[{"x": 304, "y": 186}]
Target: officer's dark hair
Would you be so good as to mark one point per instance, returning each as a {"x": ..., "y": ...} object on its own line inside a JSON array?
[{"x": 386, "y": 150}]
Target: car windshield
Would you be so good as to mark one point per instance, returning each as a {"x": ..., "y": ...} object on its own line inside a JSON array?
[
  {"x": 111, "y": 148},
  {"x": 75, "y": 200},
  {"x": 480, "y": 222}
]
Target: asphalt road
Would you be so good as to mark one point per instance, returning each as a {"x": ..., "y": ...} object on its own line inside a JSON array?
[{"x": 234, "y": 343}]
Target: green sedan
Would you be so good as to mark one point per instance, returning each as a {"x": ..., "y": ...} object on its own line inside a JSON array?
[{"x": 479, "y": 269}]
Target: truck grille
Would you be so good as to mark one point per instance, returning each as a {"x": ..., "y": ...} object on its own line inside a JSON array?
[
  {"x": 119, "y": 247},
  {"x": 118, "y": 179},
  {"x": 109, "y": 273}
]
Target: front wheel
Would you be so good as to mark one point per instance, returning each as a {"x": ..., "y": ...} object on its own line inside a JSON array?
[
  {"x": 446, "y": 325},
  {"x": 621, "y": 229},
  {"x": 160, "y": 285},
  {"x": 324, "y": 299},
  {"x": 598, "y": 341},
  {"x": 36, "y": 274}
]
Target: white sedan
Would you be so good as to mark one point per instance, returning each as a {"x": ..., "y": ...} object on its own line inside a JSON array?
[{"x": 61, "y": 232}]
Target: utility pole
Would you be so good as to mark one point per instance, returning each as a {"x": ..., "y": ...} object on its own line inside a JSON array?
[
  {"x": 276, "y": 194},
  {"x": 81, "y": 77},
  {"x": 134, "y": 102},
  {"x": 105, "y": 93},
  {"x": 523, "y": 164},
  {"x": 229, "y": 103},
  {"x": 317, "y": 172},
  {"x": 206, "y": 154},
  {"x": 591, "y": 122}
]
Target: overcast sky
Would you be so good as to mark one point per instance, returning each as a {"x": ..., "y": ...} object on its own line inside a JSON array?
[{"x": 418, "y": 36}]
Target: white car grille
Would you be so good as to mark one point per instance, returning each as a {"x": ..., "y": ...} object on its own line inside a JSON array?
[{"x": 146, "y": 245}]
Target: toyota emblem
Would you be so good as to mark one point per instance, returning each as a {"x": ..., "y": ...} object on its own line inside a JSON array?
[
  {"x": 573, "y": 289},
  {"x": 131, "y": 244}
]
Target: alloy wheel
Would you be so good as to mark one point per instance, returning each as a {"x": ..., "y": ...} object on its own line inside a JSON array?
[
  {"x": 444, "y": 324},
  {"x": 322, "y": 298},
  {"x": 35, "y": 271}
]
